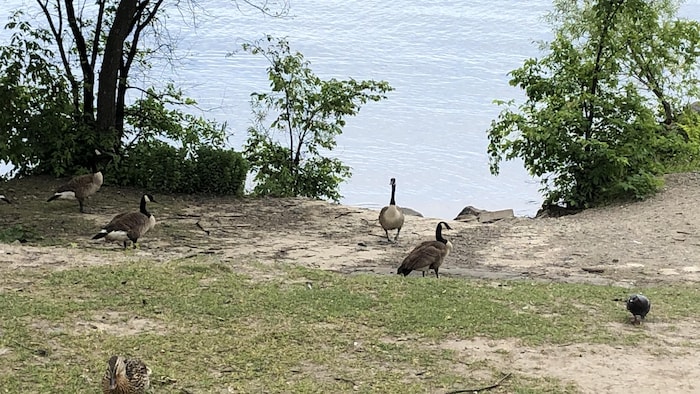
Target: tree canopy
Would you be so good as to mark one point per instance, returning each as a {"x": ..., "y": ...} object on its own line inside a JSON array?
[
  {"x": 603, "y": 114},
  {"x": 308, "y": 113},
  {"x": 65, "y": 85}
]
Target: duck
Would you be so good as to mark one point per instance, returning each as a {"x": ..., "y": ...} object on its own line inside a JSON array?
[
  {"x": 391, "y": 217},
  {"x": 639, "y": 305},
  {"x": 3, "y": 198},
  {"x": 126, "y": 376},
  {"x": 129, "y": 226},
  {"x": 429, "y": 255},
  {"x": 82, "y": 186}
]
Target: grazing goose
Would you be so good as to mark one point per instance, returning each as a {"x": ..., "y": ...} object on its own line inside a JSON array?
[
  {"x": 3, "y": 198},
  {"x": 429, "y": 255},
  {"x": 126, "y": 376},
  {"x": 80, "y": 187},
  {"x": 129, "y": 226},
  {"x": 391, "y": 217},
  {"x": 639, "y": 306}
]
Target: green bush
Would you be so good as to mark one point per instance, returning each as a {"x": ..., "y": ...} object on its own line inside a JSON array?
[
  {"x": 159, "y": 167},
  {"x": 219, "y": 171},
  {"x": 154, "y": 166}
]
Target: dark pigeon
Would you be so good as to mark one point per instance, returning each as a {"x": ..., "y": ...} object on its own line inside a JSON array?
[{"x": 639, "y": 306}]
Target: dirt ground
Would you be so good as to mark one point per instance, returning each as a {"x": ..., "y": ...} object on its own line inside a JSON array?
[{"x": 634, "y": 245}]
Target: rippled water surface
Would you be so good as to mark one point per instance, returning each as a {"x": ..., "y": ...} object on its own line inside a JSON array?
[{"x": 447, "y": 60}]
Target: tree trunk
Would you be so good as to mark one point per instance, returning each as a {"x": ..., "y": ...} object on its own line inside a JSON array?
[{"x": 109, "y": 74}]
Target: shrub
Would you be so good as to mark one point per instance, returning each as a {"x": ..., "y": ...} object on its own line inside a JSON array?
[
  {"x": 220, "y": 171},
  {"x": 159, "y": 167}
]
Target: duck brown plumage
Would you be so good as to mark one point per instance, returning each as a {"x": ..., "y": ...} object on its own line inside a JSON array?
[{"x": 126, "y": 376}]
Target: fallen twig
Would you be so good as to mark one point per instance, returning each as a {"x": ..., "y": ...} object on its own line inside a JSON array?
[
  {"x": 345, "y": 380},
  {"x": 476, "y": 390},
  {"x": 188, "y": 215},
  {"x": 202, "y": 228},
  {"x": 343, "y": 214}
]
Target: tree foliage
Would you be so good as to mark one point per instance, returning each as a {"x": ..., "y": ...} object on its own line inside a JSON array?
[
  {"x": 65, "y": 85},
  {"x": 598, "y": 122},
  {"x": 308, "y": 114}
]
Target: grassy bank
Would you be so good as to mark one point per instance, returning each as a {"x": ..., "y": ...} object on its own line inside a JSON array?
[{"x": 204, "y": 328}]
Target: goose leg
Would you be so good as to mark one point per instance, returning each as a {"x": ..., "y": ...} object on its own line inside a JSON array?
[
  {"x": 387, "y": 236},
  {"x": 80, "y": 201},
  {"x": 436, "y": 273},
  {"x": 396, "y": 239}
]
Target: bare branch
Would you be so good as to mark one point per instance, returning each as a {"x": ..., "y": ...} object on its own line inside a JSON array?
[
  {"x": 98, "y": 33},
  {"x": 58, "y": 36}
]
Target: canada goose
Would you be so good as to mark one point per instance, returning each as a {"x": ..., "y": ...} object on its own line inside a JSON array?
[
  {"x": 429, "y": 255},
  {"x": 3, "y": 198},
  {"x": 82, "y": 186},
  {"x": 391, "y": 217},
  {"x": 639, "y": 306},
  {"x": 129, "y": 226},
  {"x": 126, "y": 376}
]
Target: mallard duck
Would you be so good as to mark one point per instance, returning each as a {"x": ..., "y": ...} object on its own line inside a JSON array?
[
  {"x": 391, "y": 217},
  {"x": 639, "y": 306},
  {"x": 429, "y": 255},
  {"x": 129, "y": 226},
  {"x": 80, "y": 187},
  {"x": 126, "y": 376}
]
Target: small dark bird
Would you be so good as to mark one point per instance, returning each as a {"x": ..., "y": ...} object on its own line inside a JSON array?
[
  {"x": 429, "y": 255},
  {"x": 391, "y": 217},
  {"x": 3, "y": 198},
  {"x": 82, "y": 186},
  {"x": 639, "y": 306},
  {"x": 129, "y": 226},
  {"x": 126, "y": 376}
]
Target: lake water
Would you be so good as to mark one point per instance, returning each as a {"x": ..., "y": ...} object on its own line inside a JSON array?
[{"x": 447, "y": 60}]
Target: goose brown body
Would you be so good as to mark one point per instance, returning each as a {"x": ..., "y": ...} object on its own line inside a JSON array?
[
  {"x": 129, "y": 226},
  {"x": 79, "y": 188},
  {"x": 126, "y": 376},
  {"x": 429, "y": 255},
  {"x": 82, "y": 186},
  {"x": 391, "y": 217}
]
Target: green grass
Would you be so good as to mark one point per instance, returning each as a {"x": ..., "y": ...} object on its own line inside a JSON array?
[{"x": 213, "y": 329}]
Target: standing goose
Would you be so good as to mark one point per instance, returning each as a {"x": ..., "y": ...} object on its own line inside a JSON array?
[
  {"x": 126, "y": 376},
  {"x": 129, "y": 226},
  {"x": 429, "y": 255},
  {"x": 80, "y": 187},
  {"x": 391, "y": 217}
]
